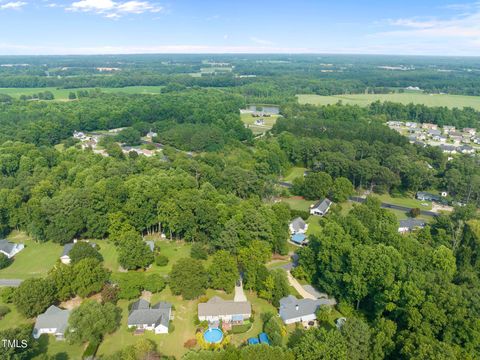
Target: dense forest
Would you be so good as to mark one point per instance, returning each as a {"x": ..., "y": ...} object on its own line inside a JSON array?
[{"x": 216, "y": 187}]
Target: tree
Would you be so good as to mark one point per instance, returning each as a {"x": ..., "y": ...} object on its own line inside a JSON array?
[
  {"x": 188, "y": 278},
  {"x": 90, "y": 276},
  {"x": 135, "y": 254},
  {"x": 129, "y": 136},
  {"x": 91, "y": 321},
  {"x": 414, "y": 212},
  {"x": 274, "y": 331},
  {"x": 199, "y": 251},
  {"x": 318, "y": 343},
  {"x": 27, "y": 347},
  {"x": 223, "y": 271},
  {"x": 317, "y": 185},
  {"x": 82, "y": 250},
  {"x": 110, "y": 294},
  {"x": 4, "y": 261},
  {"x": 154, "y": 283},
  {"x": 357, "y": 335},
  {"x": 72, "y": 96},
  {"x": 161, "y": 260},
  {"x": 342, "y": 189},
  {"x": 34, "y": 296}
]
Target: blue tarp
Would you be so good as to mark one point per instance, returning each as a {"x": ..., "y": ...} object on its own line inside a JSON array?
[
  {"x": 237, "y": 317},
  {"x": 253, "y": 341},
  {"x": 264, "y": 338}
]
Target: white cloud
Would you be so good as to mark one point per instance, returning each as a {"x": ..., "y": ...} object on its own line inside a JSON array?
[
  {"x": 113, "y": 9},
  {"x": 13, "y": 5},
  {"x": 259, "y": 41}
]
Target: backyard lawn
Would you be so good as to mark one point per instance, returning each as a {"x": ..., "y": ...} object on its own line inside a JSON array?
[
  {"x": 249, "y": 121},
  {"x": 298, "y": 203},
  {"x": 33, "y": 261},
  {"x": 293, "y": 173},
  {"x": 405, "y": 201}
]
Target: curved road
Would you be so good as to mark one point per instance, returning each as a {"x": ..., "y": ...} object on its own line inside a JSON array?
[{"x": 395, "y": 207}]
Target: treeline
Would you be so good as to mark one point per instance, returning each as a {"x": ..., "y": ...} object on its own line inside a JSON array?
[
  {"x": 412, "y": 296},
  {"x": 49, "y": 123}
]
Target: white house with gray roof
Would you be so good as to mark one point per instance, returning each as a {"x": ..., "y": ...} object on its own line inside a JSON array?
[
  {"x": 298, "y": 226},
  {"x": 54, "y": 321},
  {"x": 321, "y": 208},
  {"x": 155, "y": 318},
  {"x": 293, "y": 310},
  {"x": 228, "y": 311},
  {"x": 410, "y": 224},
  {"x": 65, "y": 257},
  {"x": 10, "y": 249}
]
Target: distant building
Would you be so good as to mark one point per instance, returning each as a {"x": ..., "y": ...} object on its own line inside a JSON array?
[
  {"x": 321, "y": 208},
  {"x": 259, "y": 122},
  {"x": 434, "y": 132},
  {"x": 466, "y": 149},
  {"x": 10, "y": 249},
  {"x": 448, "y": 149},
  {"x": 155, "y": 318},
  {"x": 426, "y": 196},
  {"x": 151, "y": 134},
  {"x": 411, "y": 124},
  {"x": 470, "y": 131},
  {"x": 54, "y": 321},
  {"x": 410, "y": 224},
  {"x": 293, "y": 310},
  {"x": 65, "y": 257},
  {"x": 216, "y": 309},
  {"x": 429, "y": 126},
  {"x": 447, "y": 129},
  {"x": 78, "y": 135}
]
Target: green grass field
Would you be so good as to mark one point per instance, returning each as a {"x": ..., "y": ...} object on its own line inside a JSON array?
[
  {"x": 62, "y": 94},
  {"x": 405, "y": 201},
  {"x": 450, "y": 101},
  {"x": 249, "y": 121},
  {"x": 33, "y": 261},
  {"x": 293, "y": 173}
]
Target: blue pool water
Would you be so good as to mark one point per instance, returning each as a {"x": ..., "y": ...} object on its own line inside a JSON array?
[
  {"x": 298, "y": 238},
  {"x": 213, "y": 336}
]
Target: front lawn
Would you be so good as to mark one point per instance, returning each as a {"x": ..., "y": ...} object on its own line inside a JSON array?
[
  {"x": 298, "y": 203},
  {"x": 405, "y": 201},
  {"x": 33, "y": 261}
]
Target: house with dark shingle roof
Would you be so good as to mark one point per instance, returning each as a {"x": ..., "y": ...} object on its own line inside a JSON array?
[
  {"x": 65, "y": 257},
  {"x": 298, "y": 226},
  {"x": 154, "y": 318},
  {"x": 228, "y": 311},
  {"x": 53, "y": 321},
  {"x": 321, "y": 208},
  {"x": 410, "y": 224},
  {"x": 10, "y": 249},
  {"x": 294, "y": 310}
]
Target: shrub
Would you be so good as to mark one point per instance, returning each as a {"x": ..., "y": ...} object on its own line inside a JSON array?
[
  {"x": 91, "y": 350},
  {"x": 110, "y": 293},
  {"x": 4, "y": 310},
  {"x": 190, "y": 343},
  {"x": 199, "y": 251},
  {"x": 171, "y": 327},
  {"x": 4, "y": 261},
  {"x": 414, "y": 212},
  {"x": 161, "y": 260},
  {"x": 6, "y": 294}
]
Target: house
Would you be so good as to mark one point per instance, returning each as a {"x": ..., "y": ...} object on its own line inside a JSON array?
[
  {"x": 411, "y": 125},
  {"x": 448, "y": 129},
  {"x": 434, "y": 132},
  {"x": 470, "y": 131},
  {"x": 466, "y": 149},
  {"x": 259, "y": 122},
  {"x": 448, "y": 149},
  {"x": 298, "y": 226},
  {"x": 53, "y": 321},
  {"x": 155, "y": 318},
  {"x": 429, "y": 126},
  {"x": 10, "y": 249},
  {"x": 78, "y": 135},
  {"x": 294, "y": 310},
  {"x": 426, "y": 196},
  {"x": 151, "y": 134},
  {"x": 321, "y": 208},
  {"x": 466, "y": 139},
  {"x": 65, "y": 258},
  {"x": 216, "y": 309},
  {"x": 410, "y": 224}
]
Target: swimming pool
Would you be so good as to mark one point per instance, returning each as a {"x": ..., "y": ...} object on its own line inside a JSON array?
[
  {"x": 298, "y": 238},
  {"x": 213, "y": 336}
]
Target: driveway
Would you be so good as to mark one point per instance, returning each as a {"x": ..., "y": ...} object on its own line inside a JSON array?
[
  {"x": 239, "y": 294},
  {"x": 297, "y": 286},
  {"x": 10, "y": 282}
]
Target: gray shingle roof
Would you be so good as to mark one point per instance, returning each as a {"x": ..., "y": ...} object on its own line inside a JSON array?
[
  {"x": 142, "y": 313},
  {"x": 6, "y": 246},
  {"x": 54, "y": 317},
  {"x": 216, "y": 306},
  {"x": 411, "y": 223},
  {"x": 322, "y": 205},
  {"x": 298, "y": 224},
  {"x": 67, "y": 248},
  {"x": 291, "y": 307}
]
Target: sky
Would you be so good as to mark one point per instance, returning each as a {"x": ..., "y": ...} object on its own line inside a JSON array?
[{"x": 408, "y": 27}]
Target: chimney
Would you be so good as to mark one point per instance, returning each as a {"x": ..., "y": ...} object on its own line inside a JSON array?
[{"x": 296, "y": 307}]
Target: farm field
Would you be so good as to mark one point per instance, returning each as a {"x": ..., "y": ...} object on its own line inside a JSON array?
[
  {"x": 62, "y": 94},
  {"x": 449, "y": 101}
]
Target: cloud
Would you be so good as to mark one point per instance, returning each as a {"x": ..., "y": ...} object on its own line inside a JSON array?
[
  {"x": 261, "y": 41},
  {"x": 113, "y": 9},
  {"x": 13, "y": 5}
]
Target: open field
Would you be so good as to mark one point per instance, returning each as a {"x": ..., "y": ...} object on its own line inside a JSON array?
[
  {"x": 450, "y": 101},
  {"x": 62, "y": 94},
  {"x": 249, "y": 122},
  {"x": 33, "y": 261},
  {"x": 405, "y": 201},
  {"x": 293, "y": 173}
]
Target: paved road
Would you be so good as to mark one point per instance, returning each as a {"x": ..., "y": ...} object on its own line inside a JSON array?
[
  {"x": 285, "y": 184},
  {"x": 303, "y": 293},
  {"x": 10, "y": 282},
  {"x": 395, "y": 207},
  {"x": 239, "y": 294}
]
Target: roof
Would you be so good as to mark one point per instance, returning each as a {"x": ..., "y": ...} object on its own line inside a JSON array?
[
  {"x": 322, "y": 205},
  {"x": 68, "y": 247},
  {"x": 411, "y": 223},
  {"x": 217, "y": 306},
  {"x": 291, "y": 307},
  {"x": 141, "y": 313},
  {"x": 53, "y": 318},
  {"x": 6, "y": 246},
  {"x": 298, "y": 224}
]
